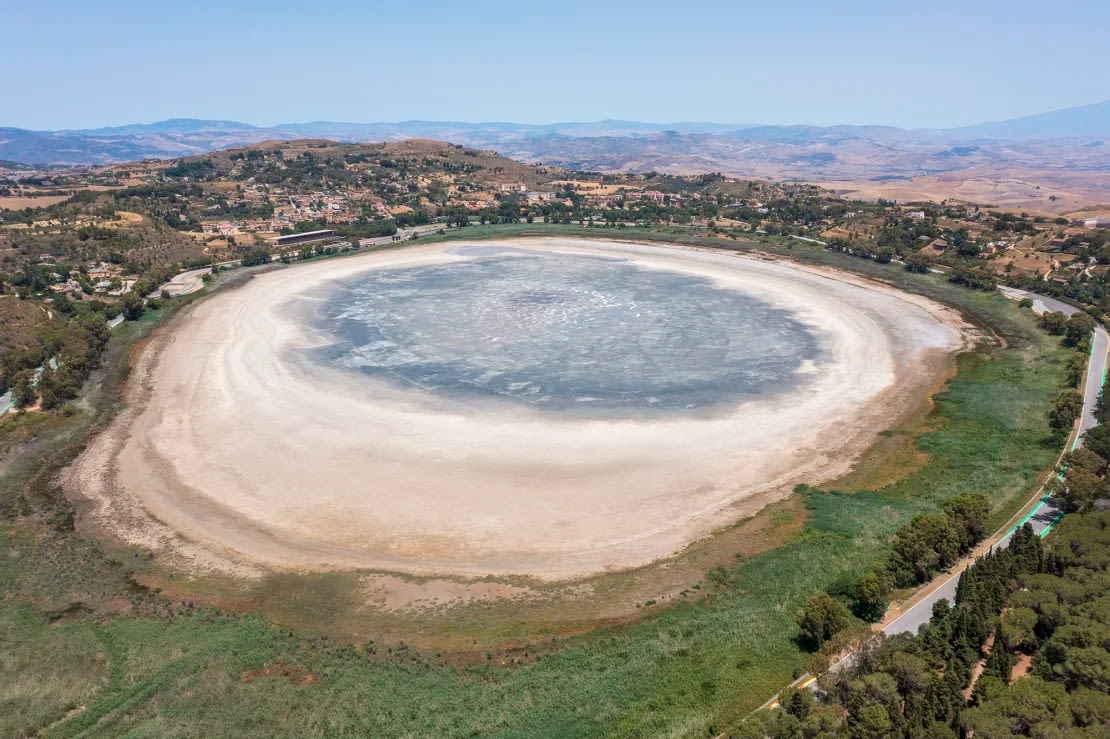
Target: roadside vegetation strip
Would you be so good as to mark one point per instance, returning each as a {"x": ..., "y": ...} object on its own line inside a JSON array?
[
  {"x": 1074, "y": 442},
  {"x": 698, "y": 664},
  {"x": 968, "y": 670},
  {"x": 1004, "y": 534}
]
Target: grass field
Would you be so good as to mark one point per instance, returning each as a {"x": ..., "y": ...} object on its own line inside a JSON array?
[{"x": 84, "y": 651}]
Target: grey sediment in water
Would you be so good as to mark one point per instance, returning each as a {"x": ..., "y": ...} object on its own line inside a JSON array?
[{"x": 558, "y": 332}]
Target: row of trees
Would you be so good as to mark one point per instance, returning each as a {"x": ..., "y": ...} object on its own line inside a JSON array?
[
  {"x": 926, "y": 545},
  {"x": 957, "y": 676},
  {"x": 1082, "y": 479},
  {"x": 1075, "y": 330},
  {"x": 976, "y": 278},
  {"x": 881, "y": 254},
  {"x": 930, "y": 543},
  {"x": 916, "y": 685}
]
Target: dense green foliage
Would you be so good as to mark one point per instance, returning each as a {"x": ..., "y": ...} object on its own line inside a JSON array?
[
  {"x": 926, "y": 545},
  {"x": 1061, "y": 616},
  {"x": 74, "y": 341},
  {"x": 822, "y": 617},
  {"x": 913, "y": 685},
  {"x": 58, "y": 358},
  {"x": 934, "y": 542}
]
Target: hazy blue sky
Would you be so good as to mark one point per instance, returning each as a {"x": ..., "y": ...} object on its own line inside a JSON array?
[{"x": 69, "y": 64}]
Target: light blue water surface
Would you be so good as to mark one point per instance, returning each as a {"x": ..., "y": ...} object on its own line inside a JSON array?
[{"x": 562, "y": 333}]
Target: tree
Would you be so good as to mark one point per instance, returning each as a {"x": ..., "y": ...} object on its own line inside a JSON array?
[
  {"x": 1054, "y": 322},
  {"x": 1097, "y": 440},
  {"x": 1075, "y": 655},
  {"x": 960, "y": 238},
  {"x": 1016, "y": 630},
  {"x": 822, "y": 617},
  {"x": 23, "y": 389},
  {"x": 872, "y": 597},
  {"x": 798, "y": 702},
  {"x": 50, "y": 392},
  {"x": 871, "y": 721},
  {"x": 1087, "y": 459},
  {"x": 969, "y": 512},
  {"x": 917, "y": 263},
  {"x": 1078, "y": 329},
  {"x": 927, "y": 544},
  {"x": 999, "y": 664},
  {"x": 965, "y": 247},
  {"x": 911, "y": 673},
  {"x": 873, "y": 705},
  {"x": 256, "y": 257},
  {"x": 1026, "y": 550},
  {"x": 977, "y": 278},
  {"x": 1080, "y": 489},
  {"x": 132, "y": 306},
  {"x": 1029, "y": 705},
  {"x": 1067, "y": 408}
]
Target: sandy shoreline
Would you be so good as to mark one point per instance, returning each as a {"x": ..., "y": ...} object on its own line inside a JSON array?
[{"x": 232, "y": 459}]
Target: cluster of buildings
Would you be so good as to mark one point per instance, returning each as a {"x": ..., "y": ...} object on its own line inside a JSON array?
[
  {"x": 287, "y": 210},
  {"x": 1092, "y": 222},
  {"x": 106, "y": 279},
  {"x": 625, "y": 196}
]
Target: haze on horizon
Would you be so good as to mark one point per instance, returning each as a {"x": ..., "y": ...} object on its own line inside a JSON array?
[{"x": 73, "y": 65}]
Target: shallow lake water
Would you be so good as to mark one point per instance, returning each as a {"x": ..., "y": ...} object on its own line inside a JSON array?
[{"x": 562, "y": 333}]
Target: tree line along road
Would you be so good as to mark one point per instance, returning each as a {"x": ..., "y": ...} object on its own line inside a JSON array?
[{"x": 1041, "y": 512}]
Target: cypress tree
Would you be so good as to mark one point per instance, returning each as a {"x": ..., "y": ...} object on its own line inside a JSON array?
[
  {"x": 999, "y": 664},
  {"x": 962, "y": 585}
]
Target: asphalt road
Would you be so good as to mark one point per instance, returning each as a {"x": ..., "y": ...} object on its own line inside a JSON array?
[
  {"x": 1046, "y": 512},
  {"x": 183, "y": 283},
  {"x": 1042, "y": 516}
]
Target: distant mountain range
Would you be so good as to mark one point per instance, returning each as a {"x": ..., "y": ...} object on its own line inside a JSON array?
[
  {"x": 1053, "y": 162},
  {"x": 186, "y": 136},
  {"x": 612, "y": 144},
  {"x": 1082, "y": 121}
]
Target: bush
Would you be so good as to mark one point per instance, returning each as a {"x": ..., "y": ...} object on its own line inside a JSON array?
[{"x": 1067, "y": 408}]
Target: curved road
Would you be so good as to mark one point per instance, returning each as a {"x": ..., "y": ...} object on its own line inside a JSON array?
[
  {"x": 183, "y": 283},
  {"x": 1041, "y": 512}
]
